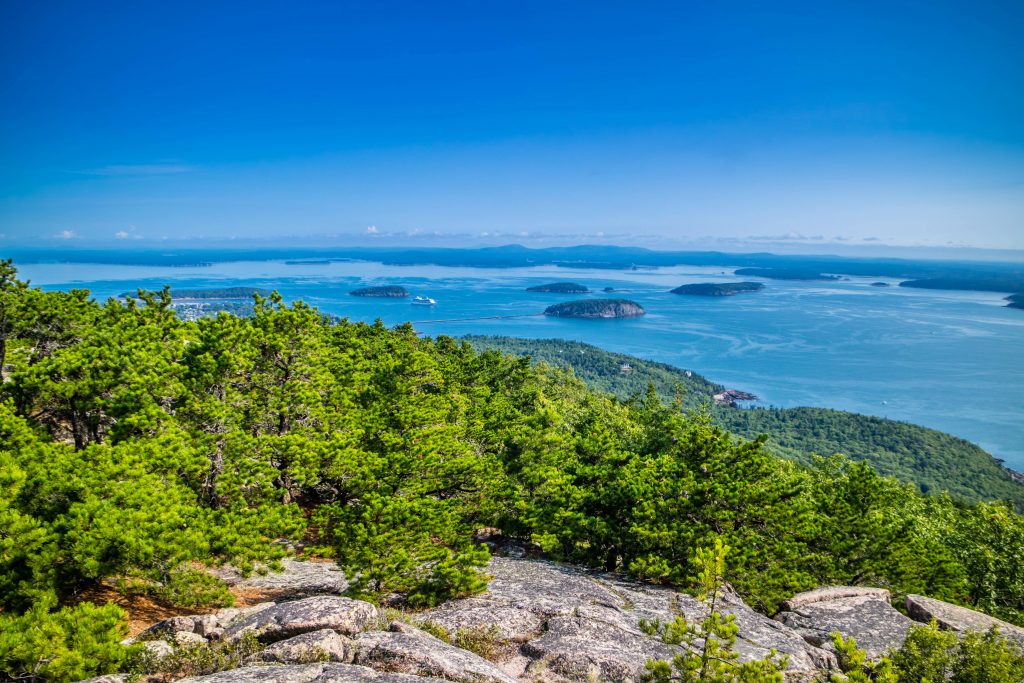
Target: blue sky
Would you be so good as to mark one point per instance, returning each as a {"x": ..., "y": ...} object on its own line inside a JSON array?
[{"x": 702, "y": 123}]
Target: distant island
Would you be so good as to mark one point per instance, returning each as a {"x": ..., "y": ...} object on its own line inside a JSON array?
[
  {"x": 309, "y": 262},
  {"x": 560, "y": 288},
  {"x": 219, "y": 294},
  {"x": 718, "y": 289},
  {"x": 608, "y": 289},
  {"x": 879, "y": 284},
  {"x": 1016, "y": 301},
  {"x": 596, "y": 308},
  {"x": 786, "y": 274},
  {"x": 1010, "y": 282},
  {"x": 387, "y": 291}
]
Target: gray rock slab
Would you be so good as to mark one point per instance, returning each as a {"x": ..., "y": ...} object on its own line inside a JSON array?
[
  {"x": 316, "y": 646},
  {"x": 308, "y": 673},
  {"x": 959, "y": 619},
  {"x": 416, "y": 652},
  {"x": 298, "y": 578},
  {"x": 544, "y": 588},
  {"x": 288, "y": 619},
  {"x": 585, "y": 648},
  {"x": 515, "y": 624},
  {"x": 868, "y": 618}
]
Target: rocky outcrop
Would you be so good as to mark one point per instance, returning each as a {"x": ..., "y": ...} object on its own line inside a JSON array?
[
  {"x": 302, "y": 616},
  {"x": 581, "y": 625},
  {"x": 310, "y": 673},
  {"x": 412, "y": 651},
  {"x": 863, "y": 613},
  {"x": 959, "y": 619},
  {"x": 537, "y": 622}
]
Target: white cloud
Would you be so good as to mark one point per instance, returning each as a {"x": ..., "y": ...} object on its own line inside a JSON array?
[
  {"x": 127, "y": 234},
  {"x": 66, "y": 235},
  {"x": 371, "y": 230}
]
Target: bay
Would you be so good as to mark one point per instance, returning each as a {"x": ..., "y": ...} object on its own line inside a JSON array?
[{"x": 943, "y": 359}]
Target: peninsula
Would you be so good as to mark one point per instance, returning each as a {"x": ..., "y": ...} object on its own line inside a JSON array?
[
  {"x": 596, "y": 308},
  {"x": 718, "y": 288},
  {"x": 560, "y": 288},
  {"x": 387, "y": 292}
]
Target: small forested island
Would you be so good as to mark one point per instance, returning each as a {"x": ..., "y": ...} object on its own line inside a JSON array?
[
  {"x": 219, "y": 294},
  {"x": 596, "y": 308},
  {"x": 560, "y": 288},
  {"x": 1016, "y": 301},
  {"x": 879, "y": 284},
  {"x": 387, "y": 291},
  {"x": 786, "y": 274},
  {"x": 718, "y": 288},
  {"x": 608, "y": 289}
]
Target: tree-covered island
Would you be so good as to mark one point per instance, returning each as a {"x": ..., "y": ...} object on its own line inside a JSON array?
[
  {"x": 386, "y": 291},
  {"x": 596, "y": 308},
  {"x": 718, "y": 288}
]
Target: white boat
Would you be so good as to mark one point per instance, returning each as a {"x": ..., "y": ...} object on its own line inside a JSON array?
[{"x": 422, "y": 301}]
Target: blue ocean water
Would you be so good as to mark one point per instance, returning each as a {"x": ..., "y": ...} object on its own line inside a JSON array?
[{"x": 944, "y": 359}]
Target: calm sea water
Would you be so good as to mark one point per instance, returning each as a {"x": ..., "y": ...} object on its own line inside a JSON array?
[{"x": 948, "y": 360}]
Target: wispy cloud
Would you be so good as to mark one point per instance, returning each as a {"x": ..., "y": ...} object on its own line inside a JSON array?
[
  {"x": 138, "y": 169},
  {"x": 127, "y": 234},
  {"x": 66, "y": 235}
]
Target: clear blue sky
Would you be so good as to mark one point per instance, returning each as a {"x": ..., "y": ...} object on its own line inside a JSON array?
[{"x": 710, "y": 122}]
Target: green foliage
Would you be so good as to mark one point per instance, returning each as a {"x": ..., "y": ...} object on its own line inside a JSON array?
[
  {"x": 70, "y": 644},
  {"x": 198, "y": 659},
  {"x": 929, "y": 655},
  {"x": 710, "y": 646},
  {"x": 856, "y": 666},
  {"x": 931, "y": 460}
]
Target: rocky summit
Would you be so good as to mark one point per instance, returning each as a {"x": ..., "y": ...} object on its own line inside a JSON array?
[{"x": 537, "y": 621}]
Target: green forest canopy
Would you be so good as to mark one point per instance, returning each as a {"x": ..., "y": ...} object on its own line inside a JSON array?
[
  {"x": 931, "y": 460},
  {"x": 136, "y": 447}
]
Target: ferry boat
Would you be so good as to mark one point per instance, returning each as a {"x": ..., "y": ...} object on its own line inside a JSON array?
[{"x": 422, "y": 301}]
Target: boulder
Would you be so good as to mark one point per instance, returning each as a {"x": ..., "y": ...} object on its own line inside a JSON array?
[
  {"x": 309, "y": 673},
  {"x": 316, "y": 646},
  {"x": 863, "y": 613},
  {"x": 412, "y": 651},
  {"x": 158, "y": 649},
  {"x": 187, "y": 639},
  {"x": 959, "y": 619},
  {"x": 168, "y": 627},
  {"x": 289, "y": 619}
]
